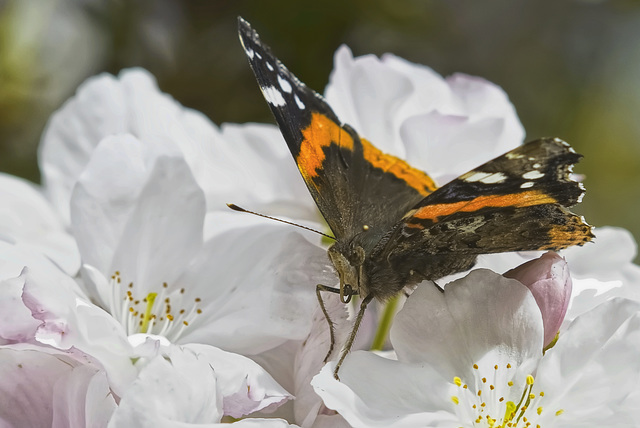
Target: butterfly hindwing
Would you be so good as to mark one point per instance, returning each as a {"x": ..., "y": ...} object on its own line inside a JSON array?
[
  {"x": 516, "y": 202},
  {"x": 353, "y": 183}
]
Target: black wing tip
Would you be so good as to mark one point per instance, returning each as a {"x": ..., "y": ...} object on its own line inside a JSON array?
[
  {"x": 564, "y": 146},
  {"x": 244, "y": 28}
]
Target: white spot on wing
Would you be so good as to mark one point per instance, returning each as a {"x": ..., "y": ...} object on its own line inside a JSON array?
[
  {"x": 258, "y": 55},
  {"x": 301, "y": 105},
  {"x": 536, "y": 165},
  {"x": 273, "y": 96},
  {"x": 532, "y": 175},
  {"x": 514, "y": 156},
  {"x": 250, "y": 52},
  {"x": 484, "y": 177},
  {"x": 269, "y": 66},
  {"x": 526, "y": 185},
  {"x": 286, "y": 86}
]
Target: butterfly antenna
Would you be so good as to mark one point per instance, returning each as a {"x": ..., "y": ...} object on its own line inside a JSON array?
[{"x": 242, "y": 210}]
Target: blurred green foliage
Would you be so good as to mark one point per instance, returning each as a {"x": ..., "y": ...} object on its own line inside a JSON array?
[{"x": 571, "y": 68}]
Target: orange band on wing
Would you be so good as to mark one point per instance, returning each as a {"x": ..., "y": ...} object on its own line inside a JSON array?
[
  {"x": 523, "y": 199},
  {"x": 574, "y": 232},
  {"x": 396, "y": 166},
  {"x": 321, "y": 132}
]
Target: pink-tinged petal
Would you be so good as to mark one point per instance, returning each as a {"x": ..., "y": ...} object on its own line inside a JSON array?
[
  {"x": 177, "y": 389},
  {"x": 257, "y": 288},
  {"x": 16, "y": 322},
  {"x": 28, "y": 218},
  {"x": 550, "y": 283},
  {"x": 19, "y": 263},
  {"x": 83, "y": 330},
  {"x": 454, "y": 329},
  {"x": 82, "y": 399},
  {"x": 244, "y": 385},
  {"x": 41, "y": 389}
]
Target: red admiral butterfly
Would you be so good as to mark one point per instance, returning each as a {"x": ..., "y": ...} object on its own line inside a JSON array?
[{"x": 393, "y": 226}]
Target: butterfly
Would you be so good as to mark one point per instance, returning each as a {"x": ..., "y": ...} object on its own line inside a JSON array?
[{"x": 393, "y": 227}]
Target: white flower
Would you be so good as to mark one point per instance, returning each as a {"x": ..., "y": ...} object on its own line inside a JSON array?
[
  {"x": 224, "y": 162},
  {"x": 472, "y": 356},
  {"x": 43, "y": 311},
  {"x": 137, "y": 215},
  {"x": 444, "y": 126}
]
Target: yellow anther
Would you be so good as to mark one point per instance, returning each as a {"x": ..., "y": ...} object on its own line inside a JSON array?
[
  {"x": 475, "y": 366},
  {"x": 455, "y": 399},
  {"x": 559, "y": 412},
  {"x": 510, "y": 383},
  {"x": 457, "y": 381},
  {"x": 539, "y": 410},
  {"x": 530, "y": 380}
]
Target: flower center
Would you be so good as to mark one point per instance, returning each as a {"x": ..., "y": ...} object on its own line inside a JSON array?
[
  {"x": 165, "y": 312},
  {"x": 492, "y": 399}
]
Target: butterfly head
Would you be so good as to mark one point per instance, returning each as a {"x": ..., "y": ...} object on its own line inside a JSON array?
[{"x": 348, "y": 259}]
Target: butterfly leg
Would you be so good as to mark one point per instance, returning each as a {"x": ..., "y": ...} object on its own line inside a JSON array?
[
  {"x": 352, "y": 335},
  {"x": 332, "y": 330}
]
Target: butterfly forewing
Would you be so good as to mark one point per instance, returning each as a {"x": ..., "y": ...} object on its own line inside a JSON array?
[{"x": 354, "y": 184}]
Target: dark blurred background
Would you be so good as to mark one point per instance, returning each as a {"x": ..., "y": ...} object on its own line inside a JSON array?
[{"x": 570, "y": 67}]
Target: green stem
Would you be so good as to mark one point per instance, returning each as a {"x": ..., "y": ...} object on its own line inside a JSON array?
[{"x": 385, "y": 324}]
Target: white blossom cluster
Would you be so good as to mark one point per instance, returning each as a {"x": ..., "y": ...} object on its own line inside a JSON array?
[{"x": 131, "y": 296}]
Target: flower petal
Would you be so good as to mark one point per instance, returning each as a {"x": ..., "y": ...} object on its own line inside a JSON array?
[
  {"x": 82, "y": 399},
  {"x": 550, "y": 283},
  {"x": 257, "y": 287},
  {"x": 308, "y": 407},
  {"x": 41, "y": 389},
  {"x": 244, "y": 385},
  {"x": 172, "y": 390},
  {"x": 593, "y": 367},
  {"x": 410, "y": 111},
  {"x": 452, "y": 330},
  {"x": 376, "y": 392},
  {"x": 124, "y": 220},
  {"x": 27, "y": 217}
]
